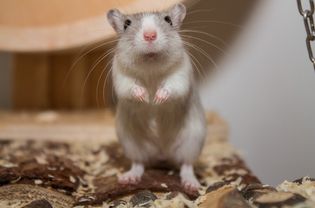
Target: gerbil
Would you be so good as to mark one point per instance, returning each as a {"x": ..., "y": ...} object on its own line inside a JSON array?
[{"x": 159, "y": 115}]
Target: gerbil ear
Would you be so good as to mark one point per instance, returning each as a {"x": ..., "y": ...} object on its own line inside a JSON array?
[
  {"x": 178, "y": 14},
  {"x": 116, "y": 19}
]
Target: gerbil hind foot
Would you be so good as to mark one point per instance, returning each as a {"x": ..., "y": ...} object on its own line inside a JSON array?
[
  {"x": 133, "y": 176},
  {"x": 188, "y": 178}
]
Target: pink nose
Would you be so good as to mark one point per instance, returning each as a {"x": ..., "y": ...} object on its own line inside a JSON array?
[{"x": 149, "y": 35}]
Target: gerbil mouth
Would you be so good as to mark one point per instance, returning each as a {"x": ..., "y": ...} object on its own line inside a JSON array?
[{"x": 151, "y": 56}]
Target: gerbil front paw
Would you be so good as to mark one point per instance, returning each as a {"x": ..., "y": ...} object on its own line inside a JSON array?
[
  {"x": 129, "y": 178},
  {"x": 140, "y": 94},
  {"x": 190, "y": 184},
  {"x": 161, "y": 96}
]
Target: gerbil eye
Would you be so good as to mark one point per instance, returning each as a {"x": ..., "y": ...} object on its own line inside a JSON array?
[
  {"x": 168, "y": 20},
  {"x": 127, "y": 23}
]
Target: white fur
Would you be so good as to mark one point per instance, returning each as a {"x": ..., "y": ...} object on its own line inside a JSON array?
[
  {"x": 149, "y": 23},
  {"x": 188, "y": 177}
]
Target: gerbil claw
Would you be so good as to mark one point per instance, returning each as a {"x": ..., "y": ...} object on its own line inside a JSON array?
[
  {"x": 191, "y": 185},
  {"x": 189, "y": 180},
  {"x": 139, "y": 93},
  {"x": 133, "y": 176},
  {"x": 128, "y": 178},
  {"x": 161, "y": 96}
]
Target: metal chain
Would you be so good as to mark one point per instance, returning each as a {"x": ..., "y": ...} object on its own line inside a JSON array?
[{"x": 307, "y": 14}]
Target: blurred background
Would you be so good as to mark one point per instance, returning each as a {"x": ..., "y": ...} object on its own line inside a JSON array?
[{"x": 263, "y": 84}]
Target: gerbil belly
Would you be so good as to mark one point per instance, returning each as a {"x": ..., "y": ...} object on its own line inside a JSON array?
[{"x": 156, "y": 126}]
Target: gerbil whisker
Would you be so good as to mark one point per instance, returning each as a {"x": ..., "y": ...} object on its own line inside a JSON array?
[
  {"x": 199, "y": 11},
  {"x": 205, "y": 54},
  {"x": 213, "y": 21},
  {"x": 99, "y": 80},
  {"x": 99, "y": 60},
  {"x": 113, "y": 92},
  {"x": 92, "y": 49},
  {"x": 98, "y": 83},
  {"x": 207, "y": 42},
  {"x": 206, "y": 34},
  {"x": 80, "y": 56},
  {"x": 200, "y": 50},
  {"x": 194, "y": 60},
  {"x": 104, "y": 86}
]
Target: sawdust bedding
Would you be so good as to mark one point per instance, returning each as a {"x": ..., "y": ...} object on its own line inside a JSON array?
[
  {"x": 36, "y": 173},
  {"x": 84, "y": 175}
]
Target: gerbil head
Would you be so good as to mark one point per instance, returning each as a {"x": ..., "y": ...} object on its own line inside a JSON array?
[{"x": 147, "y": 37}]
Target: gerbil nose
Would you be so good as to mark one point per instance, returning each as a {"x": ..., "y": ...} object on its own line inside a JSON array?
[{"x": 149, "y": 35}]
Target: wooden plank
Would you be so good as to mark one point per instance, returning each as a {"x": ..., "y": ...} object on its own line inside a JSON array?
[
  {"x": 61, "y": 81},
  {"x": 31, "y": 81}
]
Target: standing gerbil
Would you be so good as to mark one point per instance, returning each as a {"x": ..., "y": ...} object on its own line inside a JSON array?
[{"x": 159, "y": 115}]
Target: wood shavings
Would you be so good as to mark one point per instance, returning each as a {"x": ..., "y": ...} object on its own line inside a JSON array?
[
  {"x": 78, "y": 171},
  {"x": 178, "y": 202},
  {"x": 72, "y": 179},
  {"x": 38, "y": 182},
  {"x": 306, "y": 188},
  {"x": 41, "y": 159},
  {"x": 7, "y": 164},
  {"x": 20, "y": 195}
]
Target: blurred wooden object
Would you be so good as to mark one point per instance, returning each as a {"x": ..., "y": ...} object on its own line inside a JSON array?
[
  {"x": 35, "y": 25},
  {"x": 47, "y": 37},
  {"x": 52, "y": 81}
]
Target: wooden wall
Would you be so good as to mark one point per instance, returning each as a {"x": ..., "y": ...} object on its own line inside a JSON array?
[{"x": 69, "y": 80}]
